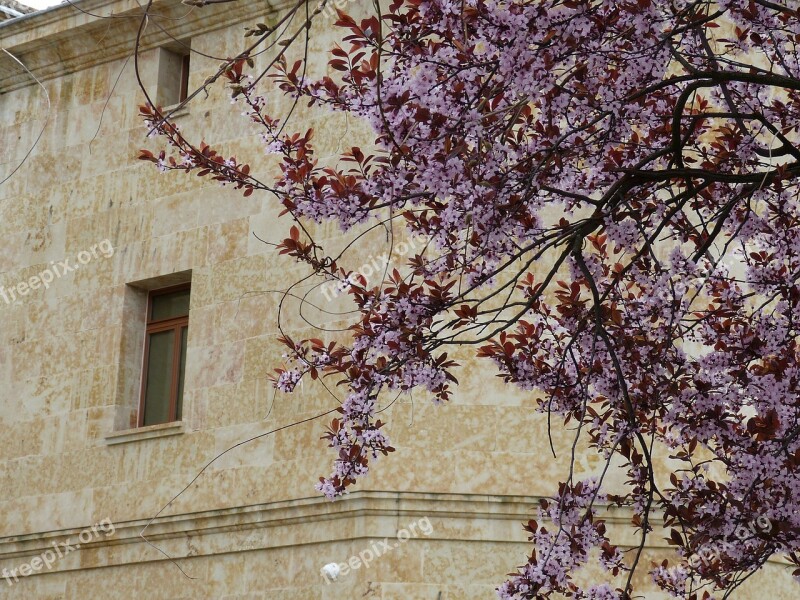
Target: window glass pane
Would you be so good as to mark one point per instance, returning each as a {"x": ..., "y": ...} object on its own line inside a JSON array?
[
  {"x": 159, "y": 377},
  {"x": 168, "y": 306},
  {"x": 184, "y": 332}
]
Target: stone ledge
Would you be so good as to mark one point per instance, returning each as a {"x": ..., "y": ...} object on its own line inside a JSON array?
[
  {"x": 145, "y": 433},
  {"x": 363, "y": 515},
  {"x": 315, "y": 520}
]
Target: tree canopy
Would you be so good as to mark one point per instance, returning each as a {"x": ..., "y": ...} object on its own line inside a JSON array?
[{"x": 609, "y": 194}]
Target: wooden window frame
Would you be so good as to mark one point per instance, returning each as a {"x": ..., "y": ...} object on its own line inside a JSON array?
[
  {"x": 173, "y": 323},
  {"x": 184, "y": 91}
]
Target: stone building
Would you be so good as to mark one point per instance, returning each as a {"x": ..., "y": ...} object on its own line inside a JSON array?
[{"x": 89, "y": 232}]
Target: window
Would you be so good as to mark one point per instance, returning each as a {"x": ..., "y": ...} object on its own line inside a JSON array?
[
  {"x": 164, "y": 355},
  {"x": 184, "y": 93},
  {"x": 173, "y": 75}
]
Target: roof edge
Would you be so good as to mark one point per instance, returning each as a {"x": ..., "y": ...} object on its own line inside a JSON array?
[{"x": 64, "y": 39}]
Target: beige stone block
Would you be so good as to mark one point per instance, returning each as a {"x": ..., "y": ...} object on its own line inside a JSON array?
[
  {"x": 214, "y": 365},
  {"x": 28, "y": 360},
  {"x": 202, "y": 327},
  {"x": 425, "y": 470},
  {"x": 93, "y": 347},
  {"x": 8, "y": 259},
  {"x": 267, "y": 569},
  {"x": 45, "y": 396},
  {"x": 195, "y": 409},
  {"x": 523, "y": 430},
  {"x": 443, "y": 561},
  {"x": 175, "y": 213},
  {"x": 445, "y": 427},
  {"x": 261, "y": 356},
  {"x": 13, "y": 176},
  {"x": 247, "y": 317},
  {"x": 103, "y": 308},
  {"x": 234, "y": 279},
  {"x": 20, "y": 439},
  {"x": 112, "y": 114},
  {"x": 166, "y": 458},
  {"x": 45, "y": 243},
  {"x": 402, "y": 562},
  {"x": 45, "y": 513},
  {"x": 133, "y": 500},
  {"x": 159, "y": 256},
  {"x": 220, "y": 124},
  {"x": 182, "y": 251},
  {"x": 87, "y": 469},
  {"x": 31, "y": 476},
  {"x": 52, "y": 313},
  {"x": 119, "y": 226},
  {"x": 267, "y": 225},
  {"x": 202, "y": 294},
  {"x": 194, "y": 450},
  {"x": 40, "y": 587},
  {"x": 23, "y": 137},
  {"x": 228, "y": 240},
  {"x": 212, "y": 490},
  {"x": 81, "y": 198},
  {"x": 100, "y": 420},
  {"x": 64, "y": 433},
  {"x": 116, "y": 154},
  {"x": 226, "y": 575},
  {"x": 79, "y": 126},
  {"x": 40, "y": 169},
  {"x": 246, "y": 444},
  {"x": 499, "y": 472},
  {"x": 225, "y": 204},
  {"x": 292, "y": 443},
  {"x": 283, "y": 480},
  {"x": 233, "y": 404},
  {"x": 12, "y": 331},
  {"x": 150, "y": 184}
]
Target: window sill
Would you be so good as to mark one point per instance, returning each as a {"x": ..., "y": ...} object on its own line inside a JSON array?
[
  {"x": 145, "y": 433},
  {"x": 180, "y": 111}
]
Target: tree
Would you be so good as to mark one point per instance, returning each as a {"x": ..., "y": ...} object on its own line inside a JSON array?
[{"x": 641, "y": 156}]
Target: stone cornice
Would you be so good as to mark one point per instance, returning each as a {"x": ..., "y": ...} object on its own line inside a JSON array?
[
  {"x": 72, "y": 37},
  {"x": 362, "y": 515}
]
